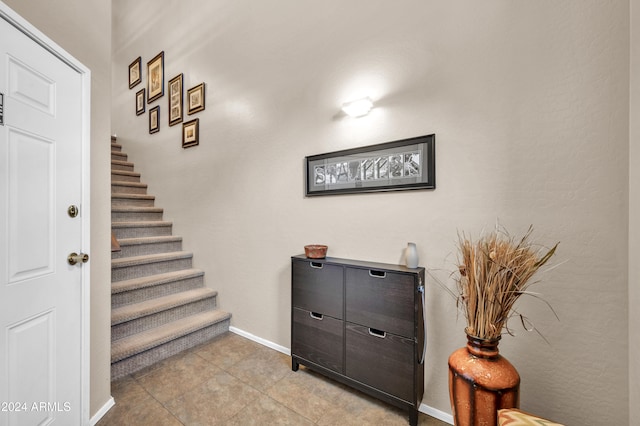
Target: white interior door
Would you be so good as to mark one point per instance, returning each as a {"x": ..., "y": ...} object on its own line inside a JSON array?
[{"x": 41, "y": 311}]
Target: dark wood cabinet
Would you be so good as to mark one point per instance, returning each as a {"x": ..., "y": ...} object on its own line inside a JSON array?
[{"x": 361, "y": 323}]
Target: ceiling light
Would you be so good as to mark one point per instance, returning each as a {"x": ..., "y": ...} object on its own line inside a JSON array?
[{"x": 358, "y": 108}]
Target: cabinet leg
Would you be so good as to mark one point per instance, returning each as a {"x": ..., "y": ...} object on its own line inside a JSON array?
[
  {"x": 294, "y": 365},
  {"x": 413, "y": 417}
]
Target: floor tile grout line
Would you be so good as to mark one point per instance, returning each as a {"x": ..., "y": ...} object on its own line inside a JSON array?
[
  {"x": 263, "y": 393},
  {"x": 213, "y": 364},
  {"x": 157, "y": 400}
]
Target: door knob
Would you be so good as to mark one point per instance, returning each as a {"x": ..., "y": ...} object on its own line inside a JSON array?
[{"x": 74, "y": 258}]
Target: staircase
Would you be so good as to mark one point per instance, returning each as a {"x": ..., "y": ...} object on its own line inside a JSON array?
[{"x": 159, "y": 304}]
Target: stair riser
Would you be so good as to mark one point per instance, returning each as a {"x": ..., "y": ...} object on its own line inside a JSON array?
[
  {"x": 143, "y": 231},
  {"x": 125, "y": 178},
  {"x": 121, "y": 202},
  {"x": 116, "y": 148},
  {"x": 126, "y": 189},
  {"x": 135, "y": 216},
  {"x": 161, "y": 318},
  {"x": 123, "y": 167},
  {"x": 142, "y": 249},
  {"x": 144, "y": 359},
  {"x": 137, "y": 271},
  {"x": 118, "y": 156},
  {"x": 165, "y": 289}
]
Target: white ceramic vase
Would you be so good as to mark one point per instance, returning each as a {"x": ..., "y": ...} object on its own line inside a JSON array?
[{"x": 411, "y": 255}]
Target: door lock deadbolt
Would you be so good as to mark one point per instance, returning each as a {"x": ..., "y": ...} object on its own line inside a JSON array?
[{"x": 73, "y": 210}]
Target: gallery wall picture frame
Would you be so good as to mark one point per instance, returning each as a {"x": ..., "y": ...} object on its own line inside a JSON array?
[
  {"x": 190, "y": 133},
  {"x": 140, "y": 102},
  {"x": 135, "y": 72},
  {"x": 195, "y": 99},
  {"x": 155, "y": 77},
  {"x": 154, "y": 119},
  {"x": 391, "y": 166},
  {"x": 175, "y": 100}
]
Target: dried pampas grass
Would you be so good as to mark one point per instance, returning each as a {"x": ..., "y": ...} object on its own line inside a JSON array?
[{"x": 493, "y": 273}]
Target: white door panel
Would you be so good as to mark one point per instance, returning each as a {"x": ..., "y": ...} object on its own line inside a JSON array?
[
  {"x": 31, "y": 87},
  {"x": 31, "y": 212},
  {"x": 36, "y": 334},
  {"x": 40, "y": 177}
]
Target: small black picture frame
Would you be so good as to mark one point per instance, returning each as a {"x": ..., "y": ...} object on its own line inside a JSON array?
[
  {"x": 154, "y": 119},
  {"x": 191, "y": 133},
  {"x": 175, "y": 100},
  {"x": 140, "y": 102},
  {"x": 135, "y": 72},
  {"x": 195, "y": 99},
  {"x": 392, "y": 166}
]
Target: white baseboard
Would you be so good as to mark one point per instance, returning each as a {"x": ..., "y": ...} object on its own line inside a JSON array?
[
  {"x": 102, "y": 411},
  {"x": 434, "y": 412},
  {"x": 260, "y": 340},
  {"x": 424, "y": 408}
]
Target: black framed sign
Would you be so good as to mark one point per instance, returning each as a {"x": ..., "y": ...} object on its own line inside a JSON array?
[{"x": 391, "y": 166}]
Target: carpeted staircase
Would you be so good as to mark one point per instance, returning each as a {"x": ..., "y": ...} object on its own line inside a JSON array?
[{"x": 159, "y": 304}]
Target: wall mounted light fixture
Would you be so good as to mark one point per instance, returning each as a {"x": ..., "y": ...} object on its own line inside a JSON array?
[{"x": 358, "y": 108}]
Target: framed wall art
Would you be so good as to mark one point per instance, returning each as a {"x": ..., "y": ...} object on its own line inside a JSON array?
[
  {"x": 190, "y": 131},
  {"x": 195, "y": 99},
  {"x": 135, "y": 73},
  {"x": 140, "y": 105},
  {"x": 175, "y": 100},
  {"x": 154, "y": 119},
  {"x": 155, "y": 77},
  {"x": 391, "y": 166}
]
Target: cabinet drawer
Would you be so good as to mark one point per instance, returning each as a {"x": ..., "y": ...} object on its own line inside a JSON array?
[
  {"x": 384, "y": 361},
  {"x": 317, "y": 287},
  {"x": 382, "y": 300},
  {"x": 318, "y": 338}
]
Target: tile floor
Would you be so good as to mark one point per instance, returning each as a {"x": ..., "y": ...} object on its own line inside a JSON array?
[{"x": 235, "y": 381}]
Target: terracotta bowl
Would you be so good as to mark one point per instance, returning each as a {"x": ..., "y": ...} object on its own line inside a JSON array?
[{"x": 315, "y": 251}]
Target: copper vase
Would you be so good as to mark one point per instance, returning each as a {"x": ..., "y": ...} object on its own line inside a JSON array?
[{"x": 481, "y": 382}]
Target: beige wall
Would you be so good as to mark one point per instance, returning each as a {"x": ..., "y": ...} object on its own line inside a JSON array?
[
  {"x": 83, "y": 28},
  {"x": 529, "y": 102},
  {"x": 634, "y": 218}
]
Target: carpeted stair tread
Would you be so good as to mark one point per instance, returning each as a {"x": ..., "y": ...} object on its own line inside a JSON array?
[
  {"x": 148, "y": 258},
  {"x": 125, "y": 173},
  {"x": 134, "y": 196},
  {"x": 132, "y": 345},
  {"x": 121, "y": 163},
  {"x": 140, "y": 224},
  {"x": 127, "y": 183},
  {"x": 149, "y": 240},
  {"x": 141, "y": 309},
  {"x": 140, "y": 245},
  {"x": 152, "y": 280},
  {"x": 136, "y": 209}
]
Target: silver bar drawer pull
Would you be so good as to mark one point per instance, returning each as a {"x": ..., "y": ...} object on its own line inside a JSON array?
[
  {"x": 317, "y": 265},
  {"x": 377, "y": 274},
  {"x": 377, "y": 333}
]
